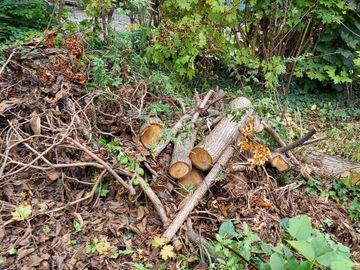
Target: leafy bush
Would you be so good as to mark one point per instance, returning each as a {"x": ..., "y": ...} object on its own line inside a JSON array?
[
  {"x": 17, "y": 17},
  {"x": 317, "y": 250},
  {"x": 264, "y": 43}
]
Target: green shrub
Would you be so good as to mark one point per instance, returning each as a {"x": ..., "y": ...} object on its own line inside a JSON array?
[{"x": 18, "y": 17}]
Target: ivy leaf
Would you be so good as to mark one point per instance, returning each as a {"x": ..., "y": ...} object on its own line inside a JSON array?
[
  {"x": 136, "y": 182},
  {"x": 158, "y": 241},
  {"x": 22, "y": 212},
  {"x": 167, "y": 252},
  {"x": 141, "y": 171}
]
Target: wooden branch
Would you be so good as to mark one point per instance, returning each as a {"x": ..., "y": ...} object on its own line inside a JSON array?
[
  {"x": 180, "y": 164},
  {"x": 315, "y": 140},
  {"x": 237, "y": 167},
  {"x": 193, "y": 114},
  {"x": 201, "y": 107},
  {"x": 333, "y": 167},
  {"x": 155, "y": 201},
  {"x": 281, "y": 143},
  {"x": 106, "y": 166},
  {"x": 210, "y": 149},
  {"x": 198, "y": 194},
  {"x": 174, "y": 130},
  {"x": 298, "y": 142}
]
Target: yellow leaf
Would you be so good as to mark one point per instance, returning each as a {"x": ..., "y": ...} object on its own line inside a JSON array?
[
  {"x": 313, "y": 107},
  {"x": 22, "y": 212},
  {"x": 158, "y": 241},
  {"x": 167, "y": 252},
  {"x": 103, "y": 247}
]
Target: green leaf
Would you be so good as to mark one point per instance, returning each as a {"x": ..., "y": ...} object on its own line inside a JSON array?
[
  {"x": 227, "y": 228},
  {"x": 12, "y": 251},
  {"x": 141, "y": 171},
  {"x": 136, "y": 182},
  {"x": 22, "y": 212},
  {"x": 300, "y": 227},
  {"x": 304, "y": 248},
  {"x": 320, "y": 245},
  {"x": 123, "y": 160},
  {"x": 276, "y": 262}
]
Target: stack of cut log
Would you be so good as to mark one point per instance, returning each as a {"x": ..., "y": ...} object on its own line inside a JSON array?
[
  {"x": 200, "y": 164},
  {"x": 189, "y": 162}
]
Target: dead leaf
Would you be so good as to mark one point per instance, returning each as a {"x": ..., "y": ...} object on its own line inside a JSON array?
[{"x": 167, "y": 252}]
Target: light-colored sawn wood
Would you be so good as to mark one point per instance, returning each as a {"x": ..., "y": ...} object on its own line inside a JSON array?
[
  {"x": 207, "y": 152},
  {"x": 180, "y": 164},
  {"x": 151, "y": 132}
]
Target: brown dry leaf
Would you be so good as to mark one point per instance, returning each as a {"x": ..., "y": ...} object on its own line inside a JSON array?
[
  {"x": 49, "y": 40},
  {"x": 53, "y": 175}
]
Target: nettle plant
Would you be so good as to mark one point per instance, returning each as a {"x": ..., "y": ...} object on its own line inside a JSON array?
[{"x": 302, "y": 248}]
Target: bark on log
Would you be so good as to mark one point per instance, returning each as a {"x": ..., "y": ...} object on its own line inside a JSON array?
[
  {"x": 333, "y": 167},
  {"x": 206, "y": 153},
  {"x": 151, "y": 132},
  {"x": 180, "y": 164}
]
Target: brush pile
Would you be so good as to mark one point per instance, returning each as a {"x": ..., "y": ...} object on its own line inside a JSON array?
[{"x": 52, "y": 148}]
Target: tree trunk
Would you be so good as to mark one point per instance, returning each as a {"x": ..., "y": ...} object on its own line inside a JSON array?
[
  {"x": 206, "y": 153},
  {"x": 332, "y": 167},
  {"x": 180, "y": 164}
]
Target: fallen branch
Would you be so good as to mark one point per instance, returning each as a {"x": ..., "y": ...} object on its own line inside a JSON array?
[
  {"x": 198, "y": 194},
  {"x": 193, "y": 114},
  {"x": 298, "y": 142},
  {"x": 106, "y": 166},
  {"x": 155, "y": 201}
]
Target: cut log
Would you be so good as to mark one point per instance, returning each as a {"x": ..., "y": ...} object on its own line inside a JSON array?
[
  {"x": 194, "y": 178},
  {"x": 206, "y": 153},
  {"x": 280, "y": 162},
  {"x": 151, "y": 132},
  {"x": 333, "y": 167},
  {"x": 180, "y": 164}
]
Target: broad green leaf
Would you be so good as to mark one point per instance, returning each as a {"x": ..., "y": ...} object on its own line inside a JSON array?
[
  {"x": 320, "y": 245},
  {"x": 342, "y": 265},
  {"x": 227, "y": 228},
  {"x": 304, "y": 248},
  {"x": 300, "y": 227},
  {"x": 136, "y": 182},
  {"x": 276, "y": 262}
]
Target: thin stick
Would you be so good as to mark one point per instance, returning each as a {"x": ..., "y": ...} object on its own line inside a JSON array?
[
  {"x": 90, "y": 195},
  {"x": 155, "y": 200},
  {"x": 201, "y": 106},
  {"x": 198, "y": 194},
  {"x": 298, "y": 142},
  {"x": 7, "y": 61},
  {"x": 106, "y": 166},
  {"x": 315, "y": 140}
]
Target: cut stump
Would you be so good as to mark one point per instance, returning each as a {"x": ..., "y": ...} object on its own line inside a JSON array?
[
  {"x": 151, "y": 132},
  {"x": 194, "y": 178}
]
